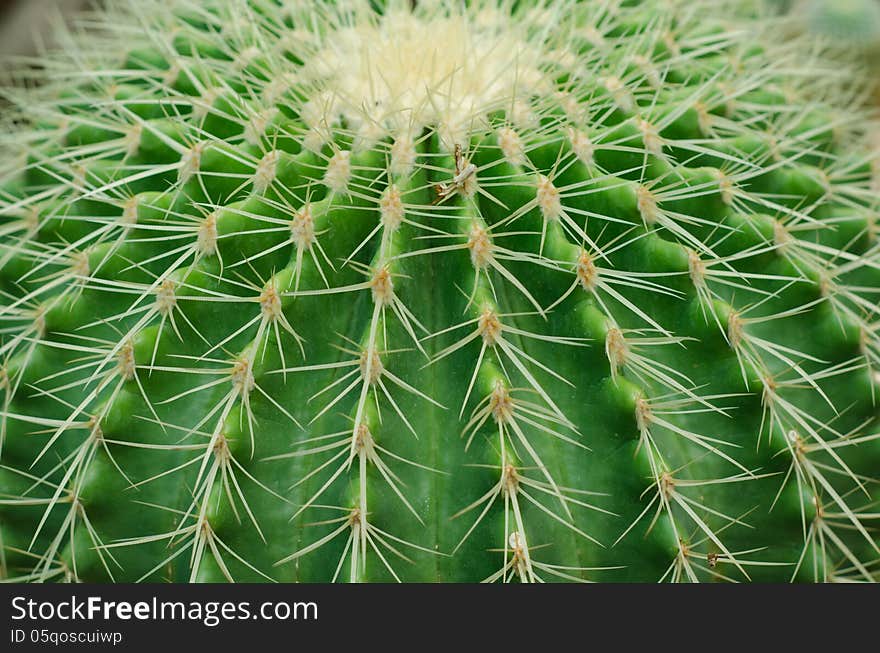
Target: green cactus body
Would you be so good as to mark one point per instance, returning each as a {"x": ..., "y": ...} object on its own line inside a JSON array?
[
  {"x": 855, "y": 23},
  {"x": 312, "y": 291}
]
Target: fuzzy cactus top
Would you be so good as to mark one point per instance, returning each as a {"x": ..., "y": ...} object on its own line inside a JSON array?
[{"x": 344, "y": 290}]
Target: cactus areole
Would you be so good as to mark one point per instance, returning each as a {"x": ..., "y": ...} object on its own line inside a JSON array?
[{"x": 507, "y": 291}]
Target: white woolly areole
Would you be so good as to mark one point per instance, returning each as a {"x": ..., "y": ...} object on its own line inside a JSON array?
[
  {"x": 408, "y": 71},
  {"x": 338, "y": 172},
  {"x": 265, "y": 172},
  {"x": 511, "y": 146}
]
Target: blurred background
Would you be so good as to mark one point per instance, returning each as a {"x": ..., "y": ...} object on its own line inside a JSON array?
[
  {"x": 852, "y": 27},
  {"x": 24, "y": 23},
  {"x": 854, "y": 23}
]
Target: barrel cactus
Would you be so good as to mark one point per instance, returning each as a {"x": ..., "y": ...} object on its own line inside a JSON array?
[
  {"x": 337, "y": 290},
  {"x": 850, "y": 24},
  {"x": 848, "y": 29}
]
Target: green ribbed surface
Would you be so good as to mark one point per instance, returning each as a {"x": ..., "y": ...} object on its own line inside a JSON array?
[{"x": 665, "y": 301}]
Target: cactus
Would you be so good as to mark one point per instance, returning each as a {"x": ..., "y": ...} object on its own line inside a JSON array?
[
  {"x": 854, "y": 23},
  {"x": 848, "y": 29},
  {"x": 505, "y": 291}
]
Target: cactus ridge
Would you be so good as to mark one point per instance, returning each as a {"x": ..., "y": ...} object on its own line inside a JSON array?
[{"x": 343, "y": 290}]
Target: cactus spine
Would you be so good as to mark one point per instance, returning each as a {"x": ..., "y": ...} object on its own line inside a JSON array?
[{"x": 499, "y": 290}]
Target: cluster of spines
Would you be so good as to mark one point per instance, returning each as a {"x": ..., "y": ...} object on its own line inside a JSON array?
[{"x": 557, "y": 167}]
